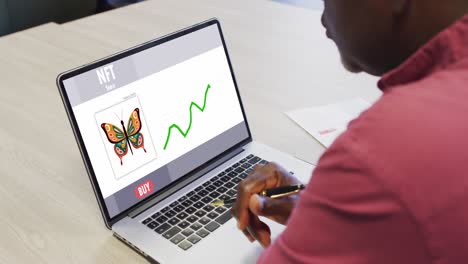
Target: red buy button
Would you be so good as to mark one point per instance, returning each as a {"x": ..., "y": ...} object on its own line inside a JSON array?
[{"x": 144, "y": 189}]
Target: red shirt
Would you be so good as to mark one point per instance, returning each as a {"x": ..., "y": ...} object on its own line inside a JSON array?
[{"x": 394, "y": 187}]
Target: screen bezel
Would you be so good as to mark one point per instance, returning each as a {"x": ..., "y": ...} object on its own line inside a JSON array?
[{"x": 109, "y": 221}]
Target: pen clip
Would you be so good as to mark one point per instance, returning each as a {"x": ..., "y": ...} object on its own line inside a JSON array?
[
  {"x": 282, "y": 191},
  {"x": 281, "y": 195}
]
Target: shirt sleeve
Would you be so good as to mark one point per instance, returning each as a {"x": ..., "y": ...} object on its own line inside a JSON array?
[{"x": 347, "y": 216}]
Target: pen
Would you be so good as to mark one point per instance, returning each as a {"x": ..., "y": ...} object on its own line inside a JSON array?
[{"x": 273, "y": 193}]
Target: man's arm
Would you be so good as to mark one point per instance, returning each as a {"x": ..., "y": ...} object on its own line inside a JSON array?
[{"x": 347, "y": 216}]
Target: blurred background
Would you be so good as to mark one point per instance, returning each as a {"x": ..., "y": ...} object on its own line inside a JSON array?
[{"x": 16, "y": 15}]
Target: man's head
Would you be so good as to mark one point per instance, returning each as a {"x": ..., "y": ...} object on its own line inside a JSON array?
[{"x": 376, "y": 36}]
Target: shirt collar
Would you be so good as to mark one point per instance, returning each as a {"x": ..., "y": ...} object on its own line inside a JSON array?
[{"x": 445, "y": 49}]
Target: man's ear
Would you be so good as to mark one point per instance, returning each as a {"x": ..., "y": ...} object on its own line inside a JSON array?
[{"x": 400, "y": 7}]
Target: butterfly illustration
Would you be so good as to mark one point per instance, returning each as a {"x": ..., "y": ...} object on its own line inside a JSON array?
[{"x": 125, "y": 138}]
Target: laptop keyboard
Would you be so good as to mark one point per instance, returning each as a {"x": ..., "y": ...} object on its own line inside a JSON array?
[{"x": 191, "y": 218}]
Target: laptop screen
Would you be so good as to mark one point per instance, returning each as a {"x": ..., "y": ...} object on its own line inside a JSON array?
[{"x": 151, "y": 117}]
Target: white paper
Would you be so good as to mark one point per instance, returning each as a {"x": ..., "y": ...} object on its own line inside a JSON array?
[{"x": 326, "y": 123}]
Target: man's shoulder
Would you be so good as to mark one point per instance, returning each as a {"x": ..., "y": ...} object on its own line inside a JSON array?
[
  {"x": 426, "y": 112},
  {"x": 413, "y": 140}
]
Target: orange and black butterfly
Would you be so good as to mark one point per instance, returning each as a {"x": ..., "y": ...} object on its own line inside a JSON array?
[{"x": 125, "y": 138}]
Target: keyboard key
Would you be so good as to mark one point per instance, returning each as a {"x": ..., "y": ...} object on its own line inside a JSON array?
[
  {"x": 165, "y": 209},
  {"x": 228, "y": 170},
  {"x": 250, "y": 156},
  {"x": 222, "y": 189},
  {"x": 222, "y": 174},
  {"x": 185, "y": 245},
  {"x": 217, "y": 183},
  {"x": 214, "y": 195},
  {"x": 174, "y": 204},
  {"x": 202, "y": 193},
  {"x": 162, "y": 228},
  {"x": 147, "y": 220},
  {"x": 170, "y": 214},
  {"x": 161, "y": 219},
  {"x": 183, "y": 224},
  {"x": 156, "y": 215},
  {"x": 254, "y": 160},
  {"x": 187, "y": 203},
  {"x": 177, "y": 239},
  {"x": 204, "y": 221},
  {"x": 153, "y": 225},
  {"x": 206, "y": 183},
  {"x": 196, "y": 226},
  {"x": 242, "y": 160},
  {"x": 236, "y": 180},
  {"x": 207, "y": 200},
  {"x": 224, "y": 217},
  {"x": 231, "y": 193},
  {"x": 179, "y": 208},
  {"x": 212, "y": 226},
  {"x": 246, "y": 166},
  {"x": 190, "y": 193},
  {"x": 215, "y": 178},
  {"x": 224, "y": 197},
  {"x": 194, "y": 239},
  {"x": 195, "y": 198},
  {"x": 198, "y": 205},
  {"x": 243, "y": 175},
  {"x": 182, "y": 215},
  {"x": 212, "y": 215},
  {"x": 173, "y": 221},
  {"x": 202, "y": 233},
  {"x": 249, "y": 171},
  {"x": 208, "y": 207},
  {"x": 220, "y": 210},
  {"x": 239, "y": 170},
  {"x": 229, "y": 185},
  {"x": 181, "y": 199},
  {"x": 263, "y": 162},
  {"x": 199, "y": 188},
  {"x": 235, "y": 165},
  {"x": 192, "y": 219},
  {"x": 171, "y": 232},
  {"x": 187, "y": 232},
  {"x": 191, "y": 210},
  {"x": 200, "y": 213},
  {"x": 225, "y": 179},
  {"x": 210, "y": 188},
  {"x": 232, "y": 174}
]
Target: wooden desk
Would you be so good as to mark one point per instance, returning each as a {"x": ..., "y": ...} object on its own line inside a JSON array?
[{"x": 49, "y": 213}]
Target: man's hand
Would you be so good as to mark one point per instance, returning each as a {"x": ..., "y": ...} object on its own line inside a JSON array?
[{"x": 249, "y": 205}]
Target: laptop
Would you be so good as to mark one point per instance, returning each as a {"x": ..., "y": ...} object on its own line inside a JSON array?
[{"x": 163, "y": 133}]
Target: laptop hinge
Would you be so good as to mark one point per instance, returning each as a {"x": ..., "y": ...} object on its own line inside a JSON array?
[{"x": 138, "y": 210}]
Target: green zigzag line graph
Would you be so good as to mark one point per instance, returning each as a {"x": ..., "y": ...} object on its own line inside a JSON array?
[{"x": 184, "y": 134}]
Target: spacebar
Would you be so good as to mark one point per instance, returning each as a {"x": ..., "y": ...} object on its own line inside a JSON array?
[{"x": 224, "y": 217}]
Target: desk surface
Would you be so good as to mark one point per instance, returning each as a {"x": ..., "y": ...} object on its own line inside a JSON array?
[{"x": 49, "y": 214}]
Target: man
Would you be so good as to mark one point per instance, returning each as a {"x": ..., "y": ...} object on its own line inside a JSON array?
[{"x": 394, "y": 187}]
